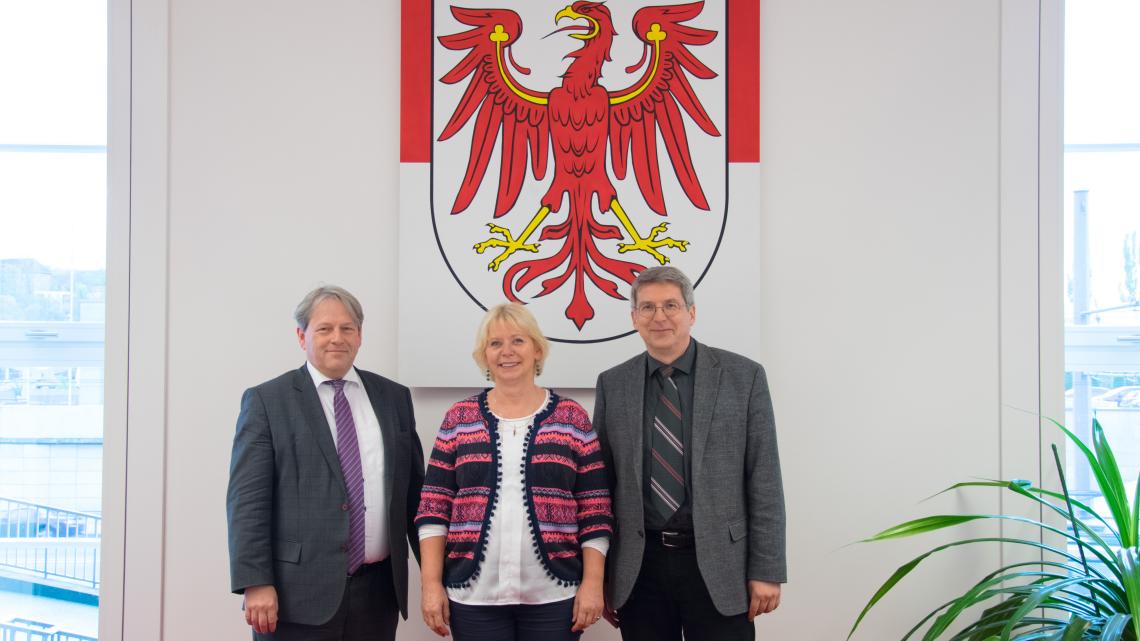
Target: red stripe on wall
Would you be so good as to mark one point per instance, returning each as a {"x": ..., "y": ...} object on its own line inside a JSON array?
[
  {"x": 744, "y": 81},
  {"x": 743, "y": 78},
  {"x": 415, "y": 81}
]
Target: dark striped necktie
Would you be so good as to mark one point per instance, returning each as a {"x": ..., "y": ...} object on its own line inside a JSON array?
[
  {"x": 667, "y": 469},
  {"x": 348, "y": 450}
]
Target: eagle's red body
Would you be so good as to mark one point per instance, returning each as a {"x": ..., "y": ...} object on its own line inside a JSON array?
[{"x": 581, "y": 121}]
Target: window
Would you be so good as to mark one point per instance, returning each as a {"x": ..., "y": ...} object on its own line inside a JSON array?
[
  {"x": 53, "y": 194},
  {"x": 1102, "y": 233}
]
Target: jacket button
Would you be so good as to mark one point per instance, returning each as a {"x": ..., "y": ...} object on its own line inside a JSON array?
[
  {"x": 344, "y": 507},
  {"x": 344, "y": 548},
  {"x": 641, "y": 533}
]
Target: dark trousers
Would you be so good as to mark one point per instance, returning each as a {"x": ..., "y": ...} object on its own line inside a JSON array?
[
  {"x": 670, "y": 597},
  {"x": 368, "y": 612},
  {"x": 546, "y": 622}
]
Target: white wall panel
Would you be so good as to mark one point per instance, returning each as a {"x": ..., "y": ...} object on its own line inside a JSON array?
[{"x": 879, "y": 226}]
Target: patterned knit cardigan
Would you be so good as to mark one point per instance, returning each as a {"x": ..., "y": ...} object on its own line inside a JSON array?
[{"x": 567, "y": 497}]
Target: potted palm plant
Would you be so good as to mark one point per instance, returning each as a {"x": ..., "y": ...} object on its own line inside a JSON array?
[{"x": 1086, "y": 590}]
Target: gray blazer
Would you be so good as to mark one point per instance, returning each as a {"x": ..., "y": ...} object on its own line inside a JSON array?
[
  {"x": 736, "y": 495},
  {"x": 286, "y": 523}
]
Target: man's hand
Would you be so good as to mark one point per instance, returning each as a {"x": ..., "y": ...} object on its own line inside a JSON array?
[
  {"x": 763, "y": 597},
  {"x": 433, "y": 604},
  {"x": 610, "y": 614},
  {"x": 261, "y": 608}
]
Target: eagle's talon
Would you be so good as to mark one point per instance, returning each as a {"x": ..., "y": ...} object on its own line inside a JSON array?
[
  {"x": 650, "y": 242},
  {"x": 508, "y": 244}
]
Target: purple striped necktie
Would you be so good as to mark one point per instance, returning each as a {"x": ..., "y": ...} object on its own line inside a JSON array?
[
  {"x": 348, "y": 449},
  {"x": 667, "y": 468}
]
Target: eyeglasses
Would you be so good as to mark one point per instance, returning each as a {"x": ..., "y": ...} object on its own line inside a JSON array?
[{"x": 646, "y": 311}]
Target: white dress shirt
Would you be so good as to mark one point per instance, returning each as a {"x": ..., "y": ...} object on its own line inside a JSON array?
[
  {"x": 511, "y": 573},
  {"x": 371, "y": 444}
]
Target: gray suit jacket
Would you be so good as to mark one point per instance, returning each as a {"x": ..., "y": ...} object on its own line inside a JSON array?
[
  {"x": 736, "y": 495},
  {"x": 286, "y": 523}
]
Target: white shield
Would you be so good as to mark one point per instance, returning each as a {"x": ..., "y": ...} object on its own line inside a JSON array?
[{"x": 458, "y": 233}]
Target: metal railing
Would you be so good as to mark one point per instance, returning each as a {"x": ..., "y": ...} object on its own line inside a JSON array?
[
  {"x": 51, "y": 543},
  {"x": 21, "y": 519},
  {"x": 28, "y": 630}
]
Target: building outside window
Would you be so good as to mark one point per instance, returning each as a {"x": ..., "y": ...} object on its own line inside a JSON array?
[
  {"x": 1102, "y": 232},
  {"x": 53, "y": 204}
]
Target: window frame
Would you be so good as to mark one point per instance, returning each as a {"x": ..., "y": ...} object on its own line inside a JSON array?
[{"x": 135, "y": 369}]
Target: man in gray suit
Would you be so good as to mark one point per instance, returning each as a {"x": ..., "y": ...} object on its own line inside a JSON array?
[
  {"x": 689, "y": 441},
  {"x": 324, "y": 483}
]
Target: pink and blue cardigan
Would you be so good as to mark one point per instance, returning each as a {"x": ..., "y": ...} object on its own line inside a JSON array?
[{"x": 567, "y": 496}]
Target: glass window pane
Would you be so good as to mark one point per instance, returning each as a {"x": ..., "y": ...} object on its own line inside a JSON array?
[
  {"x": 53, "y": 210},
  {"x": 1102, "y": 238},
  {"x": 1100, "y": 43},
  {"x": 53, "y": 194},
  {"x": 53, "y": 67},
  {"x": 1106, "y": 182}
]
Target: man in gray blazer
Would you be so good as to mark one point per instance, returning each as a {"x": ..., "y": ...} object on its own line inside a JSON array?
[
  {"x": 324, "y": 483},
  {"x": 690, "y": 445}
]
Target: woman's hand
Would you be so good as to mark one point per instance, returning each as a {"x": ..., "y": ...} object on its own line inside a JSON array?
[
  {"x": 588, "y": 605},
  {"x": 433, "y": 596},
  {"x": 590, "y": 602},
  {"x": 433, "y": 603}
]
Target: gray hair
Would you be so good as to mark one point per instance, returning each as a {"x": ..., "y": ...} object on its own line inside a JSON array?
[
  {"x": 664, "y": 274},
  {"x": 304, "y": 309}
]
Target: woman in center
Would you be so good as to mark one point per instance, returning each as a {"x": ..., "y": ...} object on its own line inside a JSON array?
[{"x": 515, "y": 516}]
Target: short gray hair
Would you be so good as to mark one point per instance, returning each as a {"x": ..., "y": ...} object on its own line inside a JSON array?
[
  {"x": 664, "y": 274},
  {"x": 304, "y": 309}
]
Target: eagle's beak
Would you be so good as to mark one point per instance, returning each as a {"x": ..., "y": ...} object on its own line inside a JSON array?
[{"x": 569, "y": 12}]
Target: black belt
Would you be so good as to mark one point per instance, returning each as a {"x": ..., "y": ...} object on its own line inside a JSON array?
[
  {"x": 368, "y": 568},
  {"x": 672, "y": 539}
]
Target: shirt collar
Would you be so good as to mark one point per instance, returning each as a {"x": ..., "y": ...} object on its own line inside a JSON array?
[
  {"x": 683, "y": 364},
  {"x": 318, "y": 378}
]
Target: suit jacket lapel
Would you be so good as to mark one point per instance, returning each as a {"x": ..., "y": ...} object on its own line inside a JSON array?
[
  {"x": 315, "y": 420},
  {"x": 633, "y": 388},
  {"x": 707, "y": 384},
  {"x": 384, "y": 407}
]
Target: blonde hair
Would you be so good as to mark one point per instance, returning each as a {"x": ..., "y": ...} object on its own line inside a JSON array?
[{"x": 511, "y": 314}]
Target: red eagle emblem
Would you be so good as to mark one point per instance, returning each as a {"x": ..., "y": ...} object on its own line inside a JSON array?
[{"x": 587, "y": 131}]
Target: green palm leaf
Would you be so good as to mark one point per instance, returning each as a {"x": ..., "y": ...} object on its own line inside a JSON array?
[
  {"x": 1059, "y": 597},
  {"x": 909, "y": 566},
  {"x": 1113, "y": 487},
  {"x": 1114, "y": 627},
  {"x": 1033, "y": 601},
  {"x": 1109, "y": 481},
  {"x": 1131, "y": 570},
  {"x": 1075, "y": 630},
  {"x": 984, "y": 591},
  {"x": 924, "y": 524},
  {"x": 1101, "y": 590}
]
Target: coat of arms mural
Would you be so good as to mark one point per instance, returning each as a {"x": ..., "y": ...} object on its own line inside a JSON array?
[{"x": 567, "y": 148}]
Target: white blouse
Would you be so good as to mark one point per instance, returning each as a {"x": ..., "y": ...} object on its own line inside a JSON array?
[{"x": 511, "y": 572}]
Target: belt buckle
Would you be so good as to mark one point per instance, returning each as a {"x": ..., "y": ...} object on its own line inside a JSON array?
[{"x": 666, "y": 535}]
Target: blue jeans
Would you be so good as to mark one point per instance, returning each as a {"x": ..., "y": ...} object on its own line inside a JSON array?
[{"x": 546, "y": 622}]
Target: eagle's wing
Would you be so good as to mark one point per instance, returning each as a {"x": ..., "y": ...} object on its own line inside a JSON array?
[
  {"x": 651, "y": 104},
  {"x": 501, "y": 102}
]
